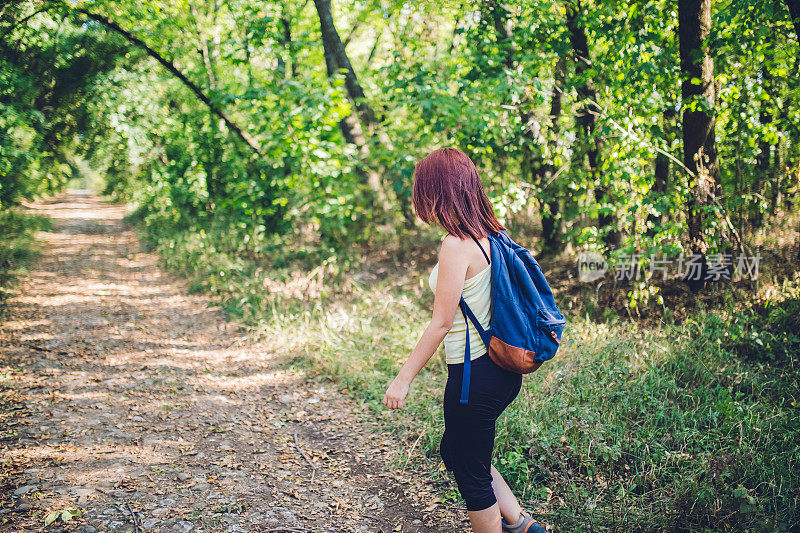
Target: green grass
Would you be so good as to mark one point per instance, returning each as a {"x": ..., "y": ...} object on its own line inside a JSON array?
[
  {"x": 691, "y": 426},
  {"x": 17, "y": 247}
]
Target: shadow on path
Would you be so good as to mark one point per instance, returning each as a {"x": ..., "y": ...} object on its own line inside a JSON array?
[{"x": 122, "y": 393}]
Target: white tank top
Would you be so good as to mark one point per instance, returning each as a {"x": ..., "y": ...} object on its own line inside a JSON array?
[{"x": 477, "y": 294}]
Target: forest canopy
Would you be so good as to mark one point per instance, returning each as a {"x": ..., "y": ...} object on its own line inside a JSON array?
[
  {"x": 266, "y": 150},
  {"x": 654, "y": 127}
]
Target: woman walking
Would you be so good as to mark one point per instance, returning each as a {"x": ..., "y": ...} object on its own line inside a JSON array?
[{"x": 448, "y": 192}]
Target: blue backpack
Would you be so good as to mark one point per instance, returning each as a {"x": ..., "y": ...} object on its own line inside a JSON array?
[{"x": 526, "y": 325}]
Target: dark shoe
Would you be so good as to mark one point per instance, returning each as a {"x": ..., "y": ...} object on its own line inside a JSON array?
[{"x": 525, "y": 524}]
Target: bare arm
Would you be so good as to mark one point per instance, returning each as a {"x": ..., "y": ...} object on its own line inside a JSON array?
[{"x": 453, "y": 263}]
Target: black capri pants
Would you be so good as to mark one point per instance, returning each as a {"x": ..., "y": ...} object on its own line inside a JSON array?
[{"x": 468, "y": 440}]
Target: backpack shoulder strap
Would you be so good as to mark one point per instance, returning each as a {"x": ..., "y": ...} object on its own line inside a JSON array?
[
  {"x": 484, "y": 334},
  {"x": 481, "y": 247}
]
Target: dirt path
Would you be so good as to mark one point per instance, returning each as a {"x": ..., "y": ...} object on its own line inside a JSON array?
[{"x": 120, "y": 393}]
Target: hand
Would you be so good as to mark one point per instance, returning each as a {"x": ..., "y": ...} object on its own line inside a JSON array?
[{"x": 396, "y": 393}]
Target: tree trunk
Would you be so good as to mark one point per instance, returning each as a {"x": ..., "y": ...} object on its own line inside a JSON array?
[
  {"x": 782, "y": 157},
  {"x": 246, "y": 41},
  {"x": 587, "y": 118},
  {"x": 336, "y": 59},
  {"x": 763, "y": 160},
  {"x": 214, "y": 53},
  {"x": 661, "y": 170},
  {"x": 552, "y": 226},
  {"x": 794, "y": 13},
  {"x": 777, "y": 163},
  {"x": 351, "y": 129},
  {"x": 204, "y": 48},
  {"x": 210, "y": 154},
  {"x": 334, "y": 47},
  {"x": 765, "y": 119},
  {"x": 534, "y": 166},
  {"x": 288, "y": 44},
  {"x": 798, "y": 242},
  {"x": 699, "y": 143}
]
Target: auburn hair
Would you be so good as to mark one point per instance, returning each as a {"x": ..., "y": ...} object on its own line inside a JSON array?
[{"x": 448, "y": 191}]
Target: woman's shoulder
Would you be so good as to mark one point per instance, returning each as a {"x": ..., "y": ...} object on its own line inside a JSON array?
[{"x": 453, "y": 244}]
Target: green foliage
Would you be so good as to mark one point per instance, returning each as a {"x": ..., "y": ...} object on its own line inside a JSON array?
[
  {"x": 45, "y": 83},
  {"x": 483, "y": 77},
  {"x": 17, "y": 247},
  {"x": 768, "y": 333},
  {"x": 651, "y": 430},
  {"x": 683, "y": 426},
  {"x": 665, "y": 424},
  {"x": 65, "y": 515}
]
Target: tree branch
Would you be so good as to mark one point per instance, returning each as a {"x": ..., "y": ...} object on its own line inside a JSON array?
[
  {"x": 21, "y": 21},
  {"x": 243, "y": 135}
]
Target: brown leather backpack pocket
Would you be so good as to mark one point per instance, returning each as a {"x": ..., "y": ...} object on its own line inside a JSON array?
[{"x": 512, "y": 358}]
